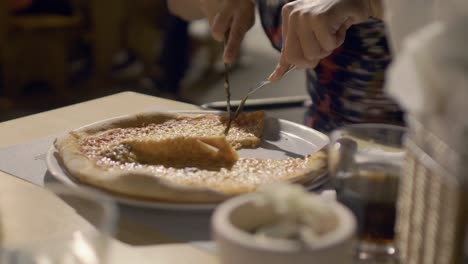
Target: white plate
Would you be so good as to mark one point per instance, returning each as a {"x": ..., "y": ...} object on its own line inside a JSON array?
[{"x": 281, "y": 139}]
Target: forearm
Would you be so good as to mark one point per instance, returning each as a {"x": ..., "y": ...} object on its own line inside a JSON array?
[{"x": 185, "y": 9}]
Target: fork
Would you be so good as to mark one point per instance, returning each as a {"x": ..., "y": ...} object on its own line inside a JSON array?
[{"x": 255, "y": 89}]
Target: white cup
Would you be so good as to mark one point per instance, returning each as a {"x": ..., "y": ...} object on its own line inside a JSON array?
[{"x": 233, "y": 219}]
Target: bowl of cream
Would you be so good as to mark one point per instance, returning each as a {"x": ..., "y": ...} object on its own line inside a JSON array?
[{"x": 283, "y": 223}]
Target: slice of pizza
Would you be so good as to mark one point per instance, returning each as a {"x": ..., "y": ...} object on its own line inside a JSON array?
[{"x": 209, "y": 152}]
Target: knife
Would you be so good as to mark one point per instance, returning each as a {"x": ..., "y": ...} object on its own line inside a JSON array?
[{"x": 227, "y": 87}]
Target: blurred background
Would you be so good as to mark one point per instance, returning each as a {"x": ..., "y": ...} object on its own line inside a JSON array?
[{"x": 60, "y": 52}]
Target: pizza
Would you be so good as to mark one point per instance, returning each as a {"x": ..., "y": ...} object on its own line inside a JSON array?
[{"x": 177, "y": 157}]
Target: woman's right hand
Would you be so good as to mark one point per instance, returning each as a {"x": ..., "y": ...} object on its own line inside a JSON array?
[{"x": 229, "y": 19}]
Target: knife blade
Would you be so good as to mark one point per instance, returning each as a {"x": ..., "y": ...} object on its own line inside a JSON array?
[{"x": 227, "y": 87}]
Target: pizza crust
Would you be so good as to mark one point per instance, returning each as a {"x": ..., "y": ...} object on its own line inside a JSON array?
[{"x": 175, "y": 184}]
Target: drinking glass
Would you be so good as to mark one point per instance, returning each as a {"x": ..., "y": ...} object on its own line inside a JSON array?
[
  {"x": 85, "y": 243},
  {"x": 365, "y": 162}
]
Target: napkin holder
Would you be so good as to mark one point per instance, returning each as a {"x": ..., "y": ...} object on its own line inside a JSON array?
[{"x": 431, "y": 204}]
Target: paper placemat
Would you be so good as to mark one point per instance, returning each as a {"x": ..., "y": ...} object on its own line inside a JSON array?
[{"x": 27, "y": 161}]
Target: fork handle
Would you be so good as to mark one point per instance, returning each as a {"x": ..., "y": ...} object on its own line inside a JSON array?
[{"x": 261, "y": 85}]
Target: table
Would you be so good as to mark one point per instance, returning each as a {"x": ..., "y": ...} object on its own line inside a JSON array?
[{"x": 19, "y": 199}]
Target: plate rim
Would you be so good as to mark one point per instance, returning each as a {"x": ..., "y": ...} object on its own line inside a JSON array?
[{"x": 60, "y": 174}]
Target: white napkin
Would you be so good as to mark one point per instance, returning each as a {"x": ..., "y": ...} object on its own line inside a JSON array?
[{"x": 429, "y": 78}]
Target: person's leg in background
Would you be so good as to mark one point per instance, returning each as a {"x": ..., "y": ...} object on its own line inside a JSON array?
[{"x": 174, "y": 58}]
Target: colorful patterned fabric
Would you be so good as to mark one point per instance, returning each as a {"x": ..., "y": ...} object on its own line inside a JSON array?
[{"x": 347, "y": 86}]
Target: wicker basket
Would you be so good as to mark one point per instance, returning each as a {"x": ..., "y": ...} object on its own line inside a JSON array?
[{"x": 431, "y": 219}]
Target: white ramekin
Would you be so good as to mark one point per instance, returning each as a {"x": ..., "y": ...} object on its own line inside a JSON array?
[{"x": 237, "y": 246}]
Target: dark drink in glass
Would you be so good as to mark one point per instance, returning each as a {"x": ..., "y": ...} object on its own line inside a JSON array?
[
  {"x": 365, "y": 162},
  {"x": 371, "y": 193}
]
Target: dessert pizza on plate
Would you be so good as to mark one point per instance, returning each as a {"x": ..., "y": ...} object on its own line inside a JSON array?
[{"x": 178, "y": 158}]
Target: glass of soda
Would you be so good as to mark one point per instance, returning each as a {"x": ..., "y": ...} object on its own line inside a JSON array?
[{"x": 365, "y": 163}]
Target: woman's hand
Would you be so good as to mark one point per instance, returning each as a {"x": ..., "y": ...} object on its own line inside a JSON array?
[
  {"x": 312, "y": 29},
  {"x": 227, "y": 18},
  {"x": 231, "y": 19}
]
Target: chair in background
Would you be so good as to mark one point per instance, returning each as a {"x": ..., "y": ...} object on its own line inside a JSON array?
[
  {"x": 134, "y": 26},
  {"x": 35, "y": 47}
]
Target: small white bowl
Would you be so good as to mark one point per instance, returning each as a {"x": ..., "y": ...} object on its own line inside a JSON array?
[{"x": 233, "y": 219}]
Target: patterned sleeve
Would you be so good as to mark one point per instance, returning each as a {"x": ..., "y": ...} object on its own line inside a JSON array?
[{"x": 270, "y": 15}]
